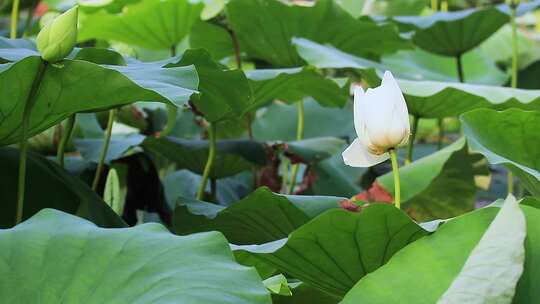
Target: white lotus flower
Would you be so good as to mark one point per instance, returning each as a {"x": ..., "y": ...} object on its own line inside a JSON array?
[{"x": 381, "y": 120}]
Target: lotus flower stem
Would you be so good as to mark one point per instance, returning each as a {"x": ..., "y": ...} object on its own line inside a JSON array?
[
  {"x": 440, "y": 140},
  {"x": 172, "y": 110},
  {"x": 209, "y": 161},
  {"x": 514, "y": 80},
  {"x": 434, "y": 5},
  {"x": 66, "y": 135},
  {"x": 410, "y": 146},
  {"x": 14, "y": 19},
  {"x": 459, "y": 65},
  {"x": 299, "y": 136},
  {"x": 32, "y": 97},
  {"x": 395, "y": 171},
  {"x": 103, "y": 154},
  {"x": 444, "y": 6}
]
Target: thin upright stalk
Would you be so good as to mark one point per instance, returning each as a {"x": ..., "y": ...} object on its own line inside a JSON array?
[
  {"x": 172, "y": 110},
  {"x": 395, "y": 171},
  {"x": 66, "y": 135},
  {"x": 434, "y": 5},
  {"x": 410, "y": 146},
  {"x": 29, "y": 17},
  {"x": 103, "y": 154},
  {"x": 209, "y": 161},
  {"x": 440, "y": 140},
  {"x": 29, "y": 105},
  {"x": 514, "y": 80},
  {"x": 299, "y": 136},
  {"x": 459, "y": 66},
  {"x": 444, "y": 6},
  {"x": 14, "y": 19}
]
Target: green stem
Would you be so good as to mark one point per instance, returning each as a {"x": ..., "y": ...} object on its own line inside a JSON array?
[
  {"x": 66, "y": 135},
  {"x": 395, "y": 171},
  {"x": 434, "y": 5},
  {"x": 103, "y": 154},
  {"x": 209, "y": 161},
  {"x": 172, "y": 110},
  {"x": 30, "y": 101},
  {"x": 410, "y": 146},
  {"x": 440, "y": 140},
  {"x": 299, "y": 136},
  {"x": 459, "y": 66},
  {"x": 514, "y": 45},
  {"x": 513, "y": 81},
  {"x": 285, "y": 174},
  {"x": 510, "y": 182},
  {"x": 14, "y": 19},
  {"x": 444, "y": 6}
]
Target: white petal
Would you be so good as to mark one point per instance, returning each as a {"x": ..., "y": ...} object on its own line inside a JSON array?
[
  {"x": 357, "y": 155},
  {"x": 401, "y": 106},
  {"x": 359, "y": 104}
]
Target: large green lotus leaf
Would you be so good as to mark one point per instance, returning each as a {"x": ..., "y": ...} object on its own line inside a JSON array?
[
  {"x": 442, "y": 256},
  {"x": 49, "y": 186},
  {"x": 62, "y": 258},
  {"x": 278, "y": 121},
  {"x": 70, "y": 88},
  {"x": 337, "y": 248},
  {"x": 510, "y": 138},
  {"x": 313, "y": 150},
  {"x": 427, "y": 99},
  {"x": 213, "y": 38},
  {"x": 455, "y": 33},
  {"x": 438, "y": 186},
  {"x": 232, "y": 156},
  {"x": 441, "y": 99},
  {"x": 153, "y": 24},
  {"x": 293, "y": 84},
  {"x": 264, "y": 33},
  {"x": 224, "y": 93},
  {"x": 493, "y": 268},
  {"x": 421, "y": 65},
  {"x": 332, "y": 177},
  {"x": 304, "y": 294},
  {"x": 498, "y": 49},
  {"x": 261, "y": 217}
]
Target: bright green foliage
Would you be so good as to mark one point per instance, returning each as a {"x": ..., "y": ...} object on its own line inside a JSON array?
[
  {"x": 293, "y": 84},
  {"x": 145, "y": 264},
  {"x": 429, "y": 265},
  {"x": 153, "y": 24},
  {"x": 62, "y": 91},
  {"x": 261, "y": 217},
  {"x": 267, "y": 36},
  {"x": 56, "y": 40},
  {"x": 337, "y": 248},
  {"x": 510, "y": 138},
  {"x": 425, "y": 183},
  {"x": 453, "y": 34},
  {"x": 494, "y": 266}
]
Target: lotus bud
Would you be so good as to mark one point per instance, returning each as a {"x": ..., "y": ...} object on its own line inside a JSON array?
[
  {"x": 381, "y": 120},
  {"x": 57, "y": 39}
]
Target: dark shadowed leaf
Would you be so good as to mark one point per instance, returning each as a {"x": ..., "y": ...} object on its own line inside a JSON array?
[{"x": 49, "y": 186}]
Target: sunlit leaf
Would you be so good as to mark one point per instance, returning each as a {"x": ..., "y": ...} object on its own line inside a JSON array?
[{"x": 144, "y": 264}]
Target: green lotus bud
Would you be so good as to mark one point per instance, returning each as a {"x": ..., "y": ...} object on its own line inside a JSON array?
[{"x": 56, "y": 40}]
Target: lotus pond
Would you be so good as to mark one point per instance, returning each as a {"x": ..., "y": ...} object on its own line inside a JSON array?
[{"x": 269, "y": 151}]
